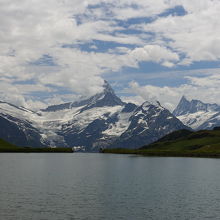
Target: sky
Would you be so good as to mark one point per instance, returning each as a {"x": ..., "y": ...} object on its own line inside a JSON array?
[{"x": 56, "y": 51}]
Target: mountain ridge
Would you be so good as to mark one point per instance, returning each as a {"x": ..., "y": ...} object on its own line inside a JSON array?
[
  {"x": 185, "y": 107},
  {"x": 102, "y": 120},
  {"x": 197, "y": 114},
  {"x": 107, "y": 97}
]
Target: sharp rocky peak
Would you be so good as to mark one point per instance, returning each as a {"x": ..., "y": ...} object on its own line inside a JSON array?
[
  {"x": 184, "y": 100},
  {"x": 107, "y": 88},
  {"x": 105, "y": 98},
  {"x": 187, "y": 107}
]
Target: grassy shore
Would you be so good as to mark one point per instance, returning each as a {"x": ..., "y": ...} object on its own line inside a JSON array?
[
  {"x": 6, "y": 147},
  {"x": 179, "y": 144}
]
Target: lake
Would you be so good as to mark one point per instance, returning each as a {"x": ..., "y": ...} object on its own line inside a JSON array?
[{"x": 107, "y": 186}]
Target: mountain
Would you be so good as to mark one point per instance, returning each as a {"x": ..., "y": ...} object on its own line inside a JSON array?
[
  {"x": 189, "y": 107},
  {"x": 203, "y": 143},
  {"x": 198, "y": 115},
  {"x": 101, "y": 121},
  {"x": 148, "y": 122},
  {"x": 17, "y": 125},
  {"x": 105, "y": 98}
]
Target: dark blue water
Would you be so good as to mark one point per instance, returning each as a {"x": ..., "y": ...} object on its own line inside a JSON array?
[{"x": 105, "y": 186}]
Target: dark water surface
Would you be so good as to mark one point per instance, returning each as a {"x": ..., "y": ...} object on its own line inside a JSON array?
[{"x": 106, "y": 186}]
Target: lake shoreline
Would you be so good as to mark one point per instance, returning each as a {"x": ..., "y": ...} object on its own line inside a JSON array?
[
  {"x": 37, "y": 150},
  {"x": 160, "y": 154}
]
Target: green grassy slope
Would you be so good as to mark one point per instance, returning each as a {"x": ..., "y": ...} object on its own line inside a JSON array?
[
  {"x": 7, "y": 147},
  {"x": 181, "y": 143}
]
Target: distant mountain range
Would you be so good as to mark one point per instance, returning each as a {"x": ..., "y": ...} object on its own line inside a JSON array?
[
  {"x": 198, "y": 115},
  {"x": 101, "y": 121}
]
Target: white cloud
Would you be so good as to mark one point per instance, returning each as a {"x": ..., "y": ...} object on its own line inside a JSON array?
[
  {"x": 206, "y": 89},
  {"x": 156, "y": 54},
  {"x": 195, "y": 35},
  {"x": 31, "y": 29}
]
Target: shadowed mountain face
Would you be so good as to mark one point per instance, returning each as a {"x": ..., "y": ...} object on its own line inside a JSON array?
[
  {"x": 101, "y": 121},
  {"x": 18, "y": 131},
  {"x": 198, "y": 115}
]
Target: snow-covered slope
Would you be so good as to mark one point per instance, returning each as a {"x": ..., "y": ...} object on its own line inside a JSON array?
[
  {"x": 102, "y": 120},
  {"x": 18, "y": 125},
  {"x": 198, "y": 115}
]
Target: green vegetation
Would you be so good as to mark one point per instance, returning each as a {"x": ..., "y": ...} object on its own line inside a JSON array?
[
  {"x": 7, "y": 147},
  {"x": 180, "y": 143}
]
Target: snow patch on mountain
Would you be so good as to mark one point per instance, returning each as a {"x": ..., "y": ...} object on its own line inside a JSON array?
[
  {"x": 116, "y": 129},
  {"x": 82, "y": 120},
  {"x": 195, "y": 120}
]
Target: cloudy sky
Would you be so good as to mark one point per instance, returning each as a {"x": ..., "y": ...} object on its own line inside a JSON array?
[{"x": 56, "y": 50}]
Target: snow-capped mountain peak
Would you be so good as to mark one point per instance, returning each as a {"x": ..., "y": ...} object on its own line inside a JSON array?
[
  {"x": 197, "y": 114},
  {"x": 105, "y": 98},
  {"x": 182, "y": 107},
  {"x": 107, "y": 88},
  {"x": 193, "y": 106}
]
